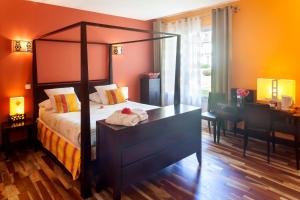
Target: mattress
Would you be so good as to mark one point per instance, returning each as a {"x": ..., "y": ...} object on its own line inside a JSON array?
[{"x": 67, "y": 125}]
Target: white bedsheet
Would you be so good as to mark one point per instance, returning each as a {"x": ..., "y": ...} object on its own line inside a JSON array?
[{"x": 67, "y": 125}]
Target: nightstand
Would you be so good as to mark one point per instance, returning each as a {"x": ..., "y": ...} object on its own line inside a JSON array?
[{"x": 9, "y": 127}]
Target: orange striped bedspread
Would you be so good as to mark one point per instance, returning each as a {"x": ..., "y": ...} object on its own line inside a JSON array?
[{"x": 65, "y": 152}]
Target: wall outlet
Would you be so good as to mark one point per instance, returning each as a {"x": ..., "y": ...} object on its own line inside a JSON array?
[{"x": 28, "y": 86}]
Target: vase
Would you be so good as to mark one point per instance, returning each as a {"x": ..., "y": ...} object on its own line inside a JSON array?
[{"x": 240, "y": 101}]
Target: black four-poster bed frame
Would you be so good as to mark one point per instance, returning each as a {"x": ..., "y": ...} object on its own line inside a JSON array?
[{"x": 85, "y": 86}]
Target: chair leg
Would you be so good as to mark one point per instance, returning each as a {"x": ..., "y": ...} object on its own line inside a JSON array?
[
  {"x": 234, "y": 128},
  {"x": 245, "y": 142},
  {"x": 268, "y": 144},
  {"x": 223, "y": 127},
  {"x": 214, "y": 130},
  {"x": 209, "y": 128},
  {"x": 273, "y": 140},
  {"x": 219, "y": 124},
  {"x": 297, "y": 150}
]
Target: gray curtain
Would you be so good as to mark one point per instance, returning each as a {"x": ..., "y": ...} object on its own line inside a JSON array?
[
  {"x": 221, "y": 49},
  {"x": 158, "y": 54},
  {"x": 158, "y": 47}
]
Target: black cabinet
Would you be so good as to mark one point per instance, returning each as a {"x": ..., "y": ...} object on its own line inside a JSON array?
[{"x": 150, "y": 91}]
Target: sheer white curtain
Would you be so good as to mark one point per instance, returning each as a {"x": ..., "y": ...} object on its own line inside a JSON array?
[{"x": 190, "y": 31}]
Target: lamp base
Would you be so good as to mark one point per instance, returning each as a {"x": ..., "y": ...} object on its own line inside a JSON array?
[{"x": 17, "y": 117}]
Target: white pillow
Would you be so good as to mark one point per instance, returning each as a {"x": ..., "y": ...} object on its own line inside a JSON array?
[
  {"x": 56, "y": 91},
  {"x": 101, "y": 91},
  {"x": 95, "y": 97},
  {"x": 46, "y": 104}
]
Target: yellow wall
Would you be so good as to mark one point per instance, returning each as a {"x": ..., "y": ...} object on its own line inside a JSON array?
[{"x": 266, "y": 42}]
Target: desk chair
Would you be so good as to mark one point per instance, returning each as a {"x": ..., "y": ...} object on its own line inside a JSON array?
[
  {"x": 228, "y": 113},
  {"x": 282, "y": 122},
  {"x": 251, "y": 98},
  {"x": 213, "y": 100},
  {"x": 257, "y": 121}
]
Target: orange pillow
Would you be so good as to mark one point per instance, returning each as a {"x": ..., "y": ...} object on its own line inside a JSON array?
[
  {"x": 66, "y": 103},
  {"x": 115, "y": 96}
]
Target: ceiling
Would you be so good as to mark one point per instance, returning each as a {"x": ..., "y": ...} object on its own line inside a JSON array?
[{"x": 136, "y": 9}]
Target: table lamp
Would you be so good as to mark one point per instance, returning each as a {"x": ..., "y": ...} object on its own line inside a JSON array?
[
  {"x": 16, "y": 109},
  {"x": 264, "y": 89},
  {"x": 287, "y": 88},
  {"x": 275, "y": 89},
  {"x": 125, "y": 92}
]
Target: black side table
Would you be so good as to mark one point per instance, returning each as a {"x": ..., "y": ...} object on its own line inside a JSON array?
[{"x": 8, "y": 128}]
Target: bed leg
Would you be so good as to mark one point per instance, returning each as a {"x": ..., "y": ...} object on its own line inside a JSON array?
[
  {"x": 117, "y": 195},
  {"x": 199, "y": 157},
  {"x": 85, "y": 192},
  {"x": 85, "y": 187},
  {"x": 100, "y": 185}
]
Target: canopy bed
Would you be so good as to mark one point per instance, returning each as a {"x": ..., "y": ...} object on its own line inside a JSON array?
[{"x": 169, "y": 145}]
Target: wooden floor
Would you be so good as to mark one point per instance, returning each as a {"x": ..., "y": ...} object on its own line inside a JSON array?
[{"x": 224, "y": 174}]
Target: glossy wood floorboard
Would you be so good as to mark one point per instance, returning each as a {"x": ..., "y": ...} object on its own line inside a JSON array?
[{"x": 224, "y": 174}]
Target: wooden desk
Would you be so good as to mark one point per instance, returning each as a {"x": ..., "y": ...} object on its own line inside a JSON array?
[
  {"x": 128, "y": 154},
  {"x": 288, "y": 118}
]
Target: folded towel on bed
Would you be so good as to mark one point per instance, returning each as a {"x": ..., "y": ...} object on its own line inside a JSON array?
[
  {"x": 141, "y": 113},
  {"x": 118, "y": 118}
]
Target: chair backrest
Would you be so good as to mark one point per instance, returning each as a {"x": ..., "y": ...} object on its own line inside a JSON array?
[
  {"x": 257, "y": 117},
  {"x": 214, "y": 99}
]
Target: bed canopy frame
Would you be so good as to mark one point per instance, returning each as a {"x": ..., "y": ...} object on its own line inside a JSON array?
[{"x": 84, "y": 85}]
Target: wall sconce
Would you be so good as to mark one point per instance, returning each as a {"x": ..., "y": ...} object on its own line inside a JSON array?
[
  {"x": 16, "y": 109},
  {"x": 21, "y": 46},
  {"x": 117, "y": 50}
]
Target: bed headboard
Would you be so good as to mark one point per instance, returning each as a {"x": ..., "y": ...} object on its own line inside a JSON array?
[{"x": 41, "y": 95}]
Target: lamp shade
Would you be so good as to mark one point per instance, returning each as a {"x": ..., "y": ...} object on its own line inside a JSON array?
[
  {"x": 264, "y": 89},
  {"x": 125, "y": 92},
  {"x": 16, "y": 105},
  {"x": 287, "y": 88},
  {"x": 283, "y": 88}
]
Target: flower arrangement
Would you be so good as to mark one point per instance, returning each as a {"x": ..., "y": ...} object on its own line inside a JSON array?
[
  {"x": 242, "y": 92},
  {"x": 152, "y": 75},
  {"x": 126, "y": 111}
]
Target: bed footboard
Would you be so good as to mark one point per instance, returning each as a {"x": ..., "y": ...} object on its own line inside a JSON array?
[{"x": 129, "y": 154}]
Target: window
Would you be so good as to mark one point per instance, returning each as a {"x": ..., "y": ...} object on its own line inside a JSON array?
[
  {"x": 196, "y": 50},
  {"x": 205, "y": 60}
]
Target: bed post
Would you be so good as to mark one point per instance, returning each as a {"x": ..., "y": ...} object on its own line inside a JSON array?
[
  {"x": 85, "y": 182},
  {"x": 34, "y": 80},
  {"x": 110, "y": 68},
  {"x": 177, "y": 72},
  {"x": 35, "y": 91}
]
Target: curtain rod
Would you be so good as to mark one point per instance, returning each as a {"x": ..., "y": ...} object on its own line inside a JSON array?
[{"x": 235, "y": 9}]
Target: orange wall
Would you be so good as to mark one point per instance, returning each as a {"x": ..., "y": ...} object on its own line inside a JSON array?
[
  {"x": 266, "y": 42},
  {"x": 21, "y": 19}
]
